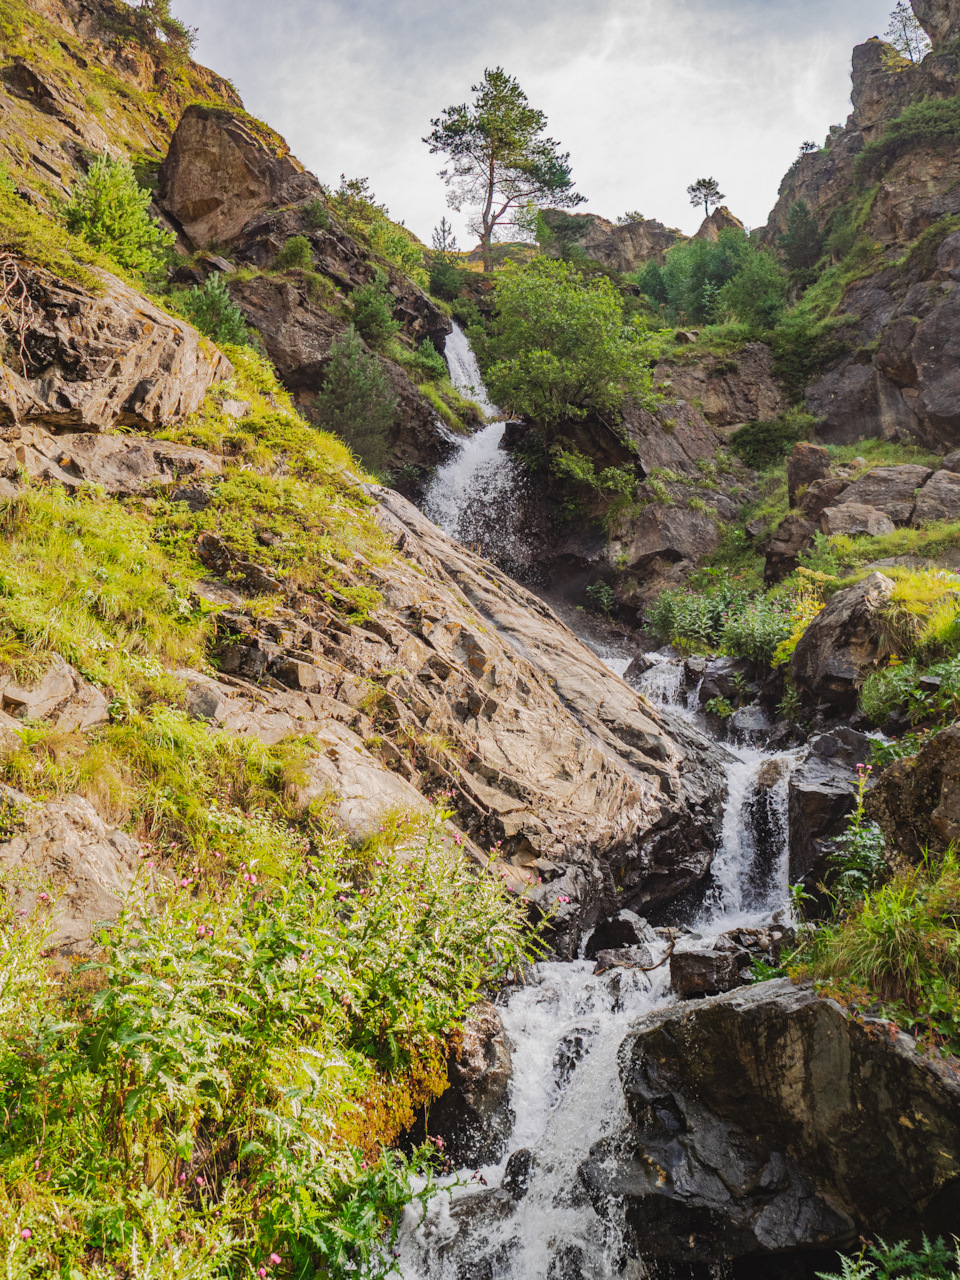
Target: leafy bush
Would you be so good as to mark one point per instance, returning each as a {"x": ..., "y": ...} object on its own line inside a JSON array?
[
  {"x": 696, "y": 271},
  {"x": 317, "y": 215},
  {"x": 356, "y": 402},
  {"x": 600, "y": 595},
  {"x": 243, "y": 1052},
  {"x": 430, "y": 362},
  {"x": 757, "y": 294},
  {"x": 803, "y": 346},
  {"x": 757, "y": 630},
  {"x": 897, "y": 687},
  {"x": 725, "y": 618},
  {"x": 109, "y": 210},
  {"x": 214, "y": 313},
  {"x": 373, "y": 311},
  {"x": 765, "y": 444},
  {"x": 297, "y": 253},
  {"x": 446, "y": 280},
  {"x": 934, "y": 123},
  {"x": 558, "y": 348}
]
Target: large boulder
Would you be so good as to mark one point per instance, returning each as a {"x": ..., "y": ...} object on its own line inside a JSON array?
[
  {"x": 770, "y": 1119},
  {"x": 93, "y": 361},
  {"x": 224, "y": 167},
  {"x": 855, "y": 519},
  {"x": 821, "y": 796},
  {"x": 892, "y": 490},
  {"x": 820, "y": 495},
  {"x": 60, "y": 695},
  {"x": 599, "y": 802},
  {"x": 622, "y": 247},
  {"x": 916, "y": 801},
  {"x": 792, "y": 537},
  {"x": 66, "y": 863},
  {"x": 843, "y": 643},
  {"x": 298, "y": 334},
  {"x": 807, "y": 464},
  {"x": 939, "y": 499}
]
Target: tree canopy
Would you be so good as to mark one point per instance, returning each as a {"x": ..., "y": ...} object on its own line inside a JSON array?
[
  {"x": 705, "y": 191},
  {"x": 558, "y": 347},
  {"x": 501, "y": 164}
]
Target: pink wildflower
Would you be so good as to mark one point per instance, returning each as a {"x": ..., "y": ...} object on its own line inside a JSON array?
[
  {"x": 26, "y": 1234},
  {"x": 275, "y": 1259}
]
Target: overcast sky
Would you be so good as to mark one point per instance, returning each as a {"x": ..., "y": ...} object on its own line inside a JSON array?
[{"x": 647, "y": 95}]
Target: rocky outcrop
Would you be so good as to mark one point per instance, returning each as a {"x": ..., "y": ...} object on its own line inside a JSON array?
[
  {"x": 771, "y": 1119},
  {"x": 223, "y": 168},
  {"x": 792, "y": 538},
  {"x": 892, "y": 490},
  {"x": 916, "y": 801},
  {"x": 939, "y": 499},
  {"x": 939, "y": 18},
  {"x": 621, "y": 247},
  {"x": 821, "y": 797},
  {"x": 854, "y": 519},
  {"x": 843, "y": 643},
  {"x": 262, "y": 198},
  {"x": 66, "y": 865},
  {"x": 720, "y": 220},
  {"x": 729, "y": 390},
  {"x": 119, "y": 465},
  {"x": 807, "y": 464},
  {"x": 94, "y": 361},
  {"x": 60, "y": 695}
]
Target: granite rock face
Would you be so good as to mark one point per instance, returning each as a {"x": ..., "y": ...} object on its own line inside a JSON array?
[
  {"x": 85, "y": 870},
  {"x": 94, "y": 361}
]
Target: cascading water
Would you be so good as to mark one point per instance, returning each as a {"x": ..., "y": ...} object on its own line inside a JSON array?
[
  {"x": 567, "y": 1023},
  {"x": 474, "y": 496}
]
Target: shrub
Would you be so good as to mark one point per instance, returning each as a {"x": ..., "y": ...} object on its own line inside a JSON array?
[
  {"x": 446, "y": 280},
  {"x": 430, "y": 362},
  {"x": 901, "y": 946},
  {"x": 696, "y": 271},
  {"x": 802, "y": 243},
  {"x": 922, "y": 616},
  {"x": 757, "y": 294},
  {"x": 296, "y": 254},
  {"x": 373, "y": 312},
  {"x": 803, "y": 347},
  {"x": 859, "y": 863},
  {"x": 109, "y": 210},
  {"x": 356, "y": 402},
  {"x": 317, "y": 215},
  {"x": 933, "y": 123},
  {"x": 284, "y": 1030},
  {"x": 558, "y": 348},
  {"x": 650, "y": 282},
  {"x": 758, "y": 629},
  {"x": 764, "y": 444},
  {"x": 214, "y": 313}
]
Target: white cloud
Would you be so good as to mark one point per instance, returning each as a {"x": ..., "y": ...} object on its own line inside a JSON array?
[{"x": 647, "y": 95}]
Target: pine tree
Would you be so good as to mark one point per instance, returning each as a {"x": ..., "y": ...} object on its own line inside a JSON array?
[
  {"x": 356, "y": 402},
  {"x": 705, "y": 191},
  {"x": 906, "y": 34}
]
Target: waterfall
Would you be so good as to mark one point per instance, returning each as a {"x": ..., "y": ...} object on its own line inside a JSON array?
[
  {"x": 567, "y": 1023},
  {"x": 475, "y": 496}
]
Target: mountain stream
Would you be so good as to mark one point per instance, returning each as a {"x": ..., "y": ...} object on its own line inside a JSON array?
[{"x": 566, "y": 1024}]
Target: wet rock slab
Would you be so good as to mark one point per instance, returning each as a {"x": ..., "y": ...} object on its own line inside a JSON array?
[{"x": 770, "y": 1119}]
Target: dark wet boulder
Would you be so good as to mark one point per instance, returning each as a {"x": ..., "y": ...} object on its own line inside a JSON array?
[
  {"x": 473, "y": 1118},
  {"x": 626, "y": 929},
  {"x": 705, "y": 967},
  {"x": 772, "y": 1120}
]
